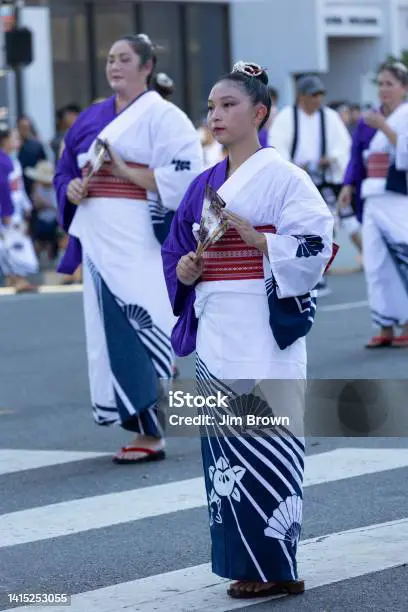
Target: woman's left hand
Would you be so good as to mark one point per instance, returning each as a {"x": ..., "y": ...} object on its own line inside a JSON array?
[
  {"x": 374, "y": 120},
  {"x": 247, "y": 232},
  {"x": 119, "y": 166}
]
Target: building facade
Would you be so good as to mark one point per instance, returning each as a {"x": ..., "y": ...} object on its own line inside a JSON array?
[
  {"x": 73, "y": 37},
  {"x": 342, "y": 40}
]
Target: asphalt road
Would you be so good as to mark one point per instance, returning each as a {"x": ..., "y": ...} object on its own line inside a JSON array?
[{"x": 44, "y": 406}]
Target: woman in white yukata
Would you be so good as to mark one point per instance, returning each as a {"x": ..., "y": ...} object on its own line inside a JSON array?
[
  {"x": 246, "y": 306},
  {"x": 116, "y": 206},
  {"x": 17, "y": 256},
  {"x": 385, "y": 220}
]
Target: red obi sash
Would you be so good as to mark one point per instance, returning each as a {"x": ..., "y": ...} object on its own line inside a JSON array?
[
  {"x": 104, "y": 185},
  {"x": 377, "y": 165},
  {"x": 230, "y": 258}
]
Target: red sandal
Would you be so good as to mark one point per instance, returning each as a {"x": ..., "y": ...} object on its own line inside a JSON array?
[
  {"x": 129, "y": 454},
  {"x": 379, "y": 342},
  {"x": 400, "y": 342}
]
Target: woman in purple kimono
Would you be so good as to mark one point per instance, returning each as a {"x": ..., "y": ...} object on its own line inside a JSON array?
[
  {"x": 373, "y": 177},
  {"x": 17, "y": 257},
  {"x": 350, "y": 194},
  {"x": 6, "y": 202},
  {"x": 126, "y": 164},
  {"x": 245, "y": 305}
]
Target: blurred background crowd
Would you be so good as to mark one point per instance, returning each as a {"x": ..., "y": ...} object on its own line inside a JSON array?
[
  {"x": 198, "y": 47},
  {"x": 37, "y": 159}
]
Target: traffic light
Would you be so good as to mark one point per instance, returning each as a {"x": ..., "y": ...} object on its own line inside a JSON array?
[{"x": 19, "y": 47}]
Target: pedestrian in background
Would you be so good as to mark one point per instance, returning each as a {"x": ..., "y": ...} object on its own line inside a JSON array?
[
  {"x": 344, "y": 111},
  {"x": 65, "y": 119},
  {"x": 31, "y": 150},
  {"x": 385, "y": 220},
  {"x": 17, "y": 256},
  {"x": 44, "y": 224},
  {"x": 315, "y": 138}
]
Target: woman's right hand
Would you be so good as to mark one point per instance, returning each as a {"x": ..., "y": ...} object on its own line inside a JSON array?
[
  {"x": 345, "y": 196},
  {"x": 189, "y": 269},
  {"x": 77, "y": 191}
]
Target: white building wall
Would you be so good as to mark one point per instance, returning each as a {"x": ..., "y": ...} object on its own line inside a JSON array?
[
  {"x": 343, "y": 40},
  {"x": 350, "y": 65},
  {"x": 402, "y": 26},
  {"x": 38, "y": 77},
  {"x": 284, "y": 36}
]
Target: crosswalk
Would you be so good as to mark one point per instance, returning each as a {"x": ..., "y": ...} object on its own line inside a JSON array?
[{"x": 368, "y": 548}]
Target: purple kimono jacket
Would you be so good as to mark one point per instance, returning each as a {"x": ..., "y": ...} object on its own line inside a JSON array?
[
  {"x": 78, "y": 140},
  {"x": 179, "y": 242},
  {"x": 6, "y": 203},
  {"x": 263, "y": 137},
  {"x": 356, "y": 170}
]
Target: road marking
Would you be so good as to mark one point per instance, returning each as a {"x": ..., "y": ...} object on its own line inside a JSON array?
[
  {"x": 98, "y": 512},
  {"x": 19, "y": 460},
  {"x": 345, "y": 306},
  {"x": 4, "y": 411},
  {"x": 196, "y": 589},
  {"x": 78, "y": 288},
  {"x": 45, "y": 289}
]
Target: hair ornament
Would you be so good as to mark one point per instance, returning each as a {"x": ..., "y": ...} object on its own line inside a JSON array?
[
  {"x": 248, "y": 68},
  {"x": 399, "y": 66},
  {"x": 144, "y": 38},
  {"x": 164, "y": 80}
]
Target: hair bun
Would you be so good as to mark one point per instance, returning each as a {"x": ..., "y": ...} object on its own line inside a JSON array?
[
  {"x": 263, "y": 77},
  {"x": 252, "y": 70}
]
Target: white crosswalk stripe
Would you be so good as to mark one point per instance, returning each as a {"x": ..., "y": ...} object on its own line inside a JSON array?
[
  {"x": 196, "y": 589},
  {"x": 12, "y": 460},
  {"x": 100, "y": 511}
]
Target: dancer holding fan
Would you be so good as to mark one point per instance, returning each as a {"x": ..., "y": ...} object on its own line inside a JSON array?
[
  {"x": 245, "y": 302},
  {"x": 126, "y": 165}
]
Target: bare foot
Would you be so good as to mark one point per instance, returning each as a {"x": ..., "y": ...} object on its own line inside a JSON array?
[
  {"x": 147, "y": 442},
  {"x": 23, "y": 286},
  {"x": 249, "y": 587},
  {"x": 154, "y": 445}
]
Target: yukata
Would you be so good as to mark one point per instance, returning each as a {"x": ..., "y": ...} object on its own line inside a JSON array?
[
  {"x": 247, "y": 318},
  {"x": 385, "y": 225},
  {"x": 117, "y": 232},
  {"x": 305, "y": 139},
  {"x": 17, "y": 255}
]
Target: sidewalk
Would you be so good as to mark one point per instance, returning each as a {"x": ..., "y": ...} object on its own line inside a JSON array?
[{"x": 346, "y": 261}]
